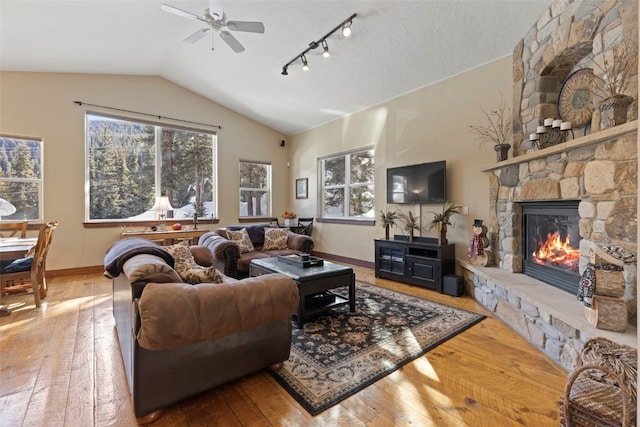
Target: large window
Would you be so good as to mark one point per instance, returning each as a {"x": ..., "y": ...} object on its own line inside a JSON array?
[
  {"x": 348, "y": 185},
  {"x": 130, "y": 164},
  {"x": 255, "y": 189},
  {"x": 20, "y": 179}
]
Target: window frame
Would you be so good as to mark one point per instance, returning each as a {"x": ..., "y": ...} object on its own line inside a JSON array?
[
  {"x": 346, "y": 186},
  {"x": 38, "y": 181},
  {"x": 268, "y": 189},
  {"x": 157, "y": 131}
]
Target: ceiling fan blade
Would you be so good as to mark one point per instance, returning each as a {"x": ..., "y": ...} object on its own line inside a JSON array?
[
  {"x": 197, "y": 35},
  {"x": 248, "y": 26},
  {"x": 216, "y": 9},
  {"x": 180, "y": 12},
  {"x": 231, "y": 41}
]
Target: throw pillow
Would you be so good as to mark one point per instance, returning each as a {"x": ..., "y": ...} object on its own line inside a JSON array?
[
  {"x": 241, "y": 238},
  {"x": 188, "y": 268},
  {"x": 275, "y": 238}
]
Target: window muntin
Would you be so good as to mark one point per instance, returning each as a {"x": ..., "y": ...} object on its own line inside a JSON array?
[
  {"x": 348, "y": 178},
  {"x": 21, "y": 182},
  {"x": 255, "y": 189},
  {"x": 131, "y": 163}
]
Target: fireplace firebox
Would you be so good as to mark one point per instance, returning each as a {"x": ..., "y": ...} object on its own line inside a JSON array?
[{"x": 551, "y": 243}]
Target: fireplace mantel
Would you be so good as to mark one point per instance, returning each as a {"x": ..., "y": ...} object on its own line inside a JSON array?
[{"x": 582, "y": 141}]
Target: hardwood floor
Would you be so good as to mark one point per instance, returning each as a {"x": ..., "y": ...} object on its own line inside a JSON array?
[{"x": 61, "y": 366}]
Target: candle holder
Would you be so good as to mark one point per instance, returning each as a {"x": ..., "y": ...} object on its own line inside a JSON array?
[{"x": 552, "y": 133}]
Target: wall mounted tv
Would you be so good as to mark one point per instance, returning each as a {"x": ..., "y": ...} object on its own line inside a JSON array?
[{"x": 423, "y": 183}]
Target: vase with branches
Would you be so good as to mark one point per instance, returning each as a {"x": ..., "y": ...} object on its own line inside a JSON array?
[
  {"x": 615, "y": 66},
  {"x": 498, "y": 129},
  {"x": 388, "y": 219},
  {"x": 441, "y": 220}
]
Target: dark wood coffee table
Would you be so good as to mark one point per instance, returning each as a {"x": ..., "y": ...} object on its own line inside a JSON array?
[{"x": 311, "y": 281}]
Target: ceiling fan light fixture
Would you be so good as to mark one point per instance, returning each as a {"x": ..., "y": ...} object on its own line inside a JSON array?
[
  {"x": 346, "y": 29},
  {"x": 325, "y": 49},
  {"x": 305, "y": 64}
]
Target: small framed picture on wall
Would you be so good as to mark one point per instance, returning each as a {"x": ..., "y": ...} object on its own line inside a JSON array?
[{"x": 302, "y": 188}]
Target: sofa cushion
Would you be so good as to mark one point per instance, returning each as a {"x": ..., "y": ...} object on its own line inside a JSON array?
[
  {"x": 256, "y": 232},
  {"x": 275, "y": 238},
  {"x": 149, "y": 268},
  {"x": 188, "y": 269},
  {"x": 242, "y": 239},
  {"x": 177, "y": 314}
]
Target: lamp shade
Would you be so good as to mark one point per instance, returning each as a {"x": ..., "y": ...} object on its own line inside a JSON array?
[{"x": 162, "y": 204}]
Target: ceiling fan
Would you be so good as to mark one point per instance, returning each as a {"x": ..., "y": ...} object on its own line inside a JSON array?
[{"x": 216, "y": 20}]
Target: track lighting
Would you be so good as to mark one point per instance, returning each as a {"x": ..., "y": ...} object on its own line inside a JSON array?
[
  {"x": 325, "y": 49},
  {"x": 344, "y": 27}
]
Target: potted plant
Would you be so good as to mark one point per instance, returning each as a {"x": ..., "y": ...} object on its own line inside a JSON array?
[
  {"x": 289, "y": 215},
  {"x": 616, "y": 65},
  {"x": 388, "y": 219},
  {"x": 410, "y": 223},
  {"x": 498, "y": 131},
  {"x": 442, "y": 220}
]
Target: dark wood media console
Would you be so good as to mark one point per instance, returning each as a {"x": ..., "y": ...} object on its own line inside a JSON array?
[{"x": 422, "y": 262}]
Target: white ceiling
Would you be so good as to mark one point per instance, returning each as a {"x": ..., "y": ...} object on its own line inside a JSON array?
[{"x": 397, "y": 46}]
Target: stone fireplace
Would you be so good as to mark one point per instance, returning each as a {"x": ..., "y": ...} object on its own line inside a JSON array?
[{"x": 593, "y": 172}]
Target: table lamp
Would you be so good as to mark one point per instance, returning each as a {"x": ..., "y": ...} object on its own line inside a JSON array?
[{"x": 162, "y": 206}]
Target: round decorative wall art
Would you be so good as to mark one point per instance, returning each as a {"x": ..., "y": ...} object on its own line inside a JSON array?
[{"x": 575, "y": 103}]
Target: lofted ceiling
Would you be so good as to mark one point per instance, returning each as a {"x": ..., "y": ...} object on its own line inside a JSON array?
[{"x": 397, "y": 46}]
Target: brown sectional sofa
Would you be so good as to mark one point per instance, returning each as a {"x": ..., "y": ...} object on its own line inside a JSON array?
[
  {"x": 227, "y": 256},
  {"x": 179, "y": 339}
]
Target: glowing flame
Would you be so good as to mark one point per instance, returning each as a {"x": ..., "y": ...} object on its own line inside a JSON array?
[{"x": 557, "y": 252}]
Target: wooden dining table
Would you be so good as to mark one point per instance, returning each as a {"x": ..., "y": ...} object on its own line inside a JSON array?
[{"x": 12, "y": 248}]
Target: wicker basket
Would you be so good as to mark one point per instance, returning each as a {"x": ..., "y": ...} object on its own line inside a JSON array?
[{"x": 602, "y": 392}]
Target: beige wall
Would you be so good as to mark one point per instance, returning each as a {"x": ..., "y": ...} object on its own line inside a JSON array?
[
  {"x": 41, "y": 105},
  {"x": 429, "y": 124}
]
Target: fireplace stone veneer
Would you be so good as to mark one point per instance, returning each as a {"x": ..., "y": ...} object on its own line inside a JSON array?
[{"x": 599, "y": 170}]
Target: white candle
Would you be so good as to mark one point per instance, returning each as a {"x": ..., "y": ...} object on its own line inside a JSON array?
[
  {"x": 565, "y": 126},
  {"x": 541, "y": 129},
  {"x": 533, "y": 137},
  {"x": 557, "y": 123},
  {"x": 548, "y": 122}
]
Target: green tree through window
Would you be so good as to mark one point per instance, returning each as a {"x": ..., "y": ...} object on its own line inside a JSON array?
[
  {"x": 21, "y": 178},
  {"x": 255, "y": 189},
  {"x": 132, "y": 163},
  {"x": 348, "y": 185}
]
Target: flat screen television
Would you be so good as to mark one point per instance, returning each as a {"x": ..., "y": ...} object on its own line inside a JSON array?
[{"x": 423, "y": 183}]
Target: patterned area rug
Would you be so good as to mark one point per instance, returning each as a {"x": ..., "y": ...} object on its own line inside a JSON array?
[{"x": 339, "y": 353}]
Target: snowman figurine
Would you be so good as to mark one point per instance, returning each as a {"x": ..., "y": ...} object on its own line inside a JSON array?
[{"x": 479, "y": 252}]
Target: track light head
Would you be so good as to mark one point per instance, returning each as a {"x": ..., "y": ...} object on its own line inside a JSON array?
[
  {"x": 284, "y": 71},
  {"x": 346, "y": 29},
  {"x": 325, "y": 49},
  {"x": 305, "y": 65}
]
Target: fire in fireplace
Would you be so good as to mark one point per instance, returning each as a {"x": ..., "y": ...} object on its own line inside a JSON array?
[{"x": 551, "y": 241}]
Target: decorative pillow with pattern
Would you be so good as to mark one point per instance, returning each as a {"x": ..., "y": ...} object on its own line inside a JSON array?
[
  {"x": 275, "y": 238},
  {"x": 187, "y": 267},
  {"x": 241, "y": 238}
]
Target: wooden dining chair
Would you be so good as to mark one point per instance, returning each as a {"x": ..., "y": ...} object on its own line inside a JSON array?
[
  {"x": 13, "y": 229},
  {"x": 306, "y": 226},
  {"x": 30, "y": 272}
]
